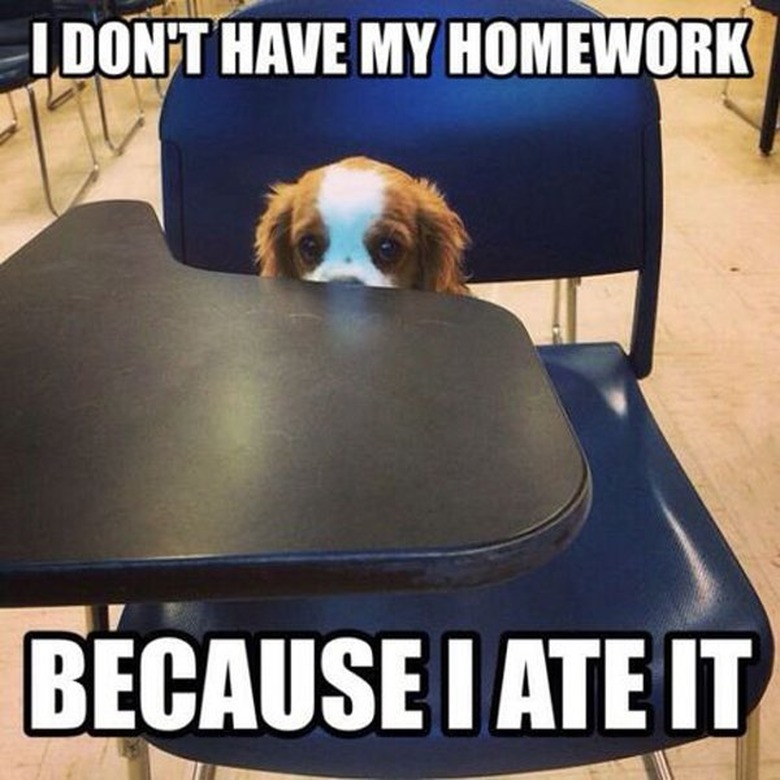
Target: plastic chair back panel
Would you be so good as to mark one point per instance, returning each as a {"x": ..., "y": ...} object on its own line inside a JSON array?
[{"x": 508, "y": 153}]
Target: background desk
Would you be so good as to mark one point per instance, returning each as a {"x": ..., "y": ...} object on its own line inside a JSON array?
[{"x": 170, "y": 433}]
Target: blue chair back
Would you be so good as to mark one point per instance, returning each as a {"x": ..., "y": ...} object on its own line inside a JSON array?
[
  {"x": 569, "y": 183},
  {"x": 15, "y": 39},
  {"x": 15, "y": 17},
  {"x": 19, "y": 9}
]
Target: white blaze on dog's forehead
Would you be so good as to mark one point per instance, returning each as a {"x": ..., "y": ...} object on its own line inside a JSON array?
[
  {"x": 349, "y": 195},
  {"x": 349, "y": 201}
]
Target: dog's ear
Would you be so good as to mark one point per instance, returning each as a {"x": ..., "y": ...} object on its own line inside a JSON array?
[
  {"x": 442, "y": 242},
  {"x": 273, "y": 250}
]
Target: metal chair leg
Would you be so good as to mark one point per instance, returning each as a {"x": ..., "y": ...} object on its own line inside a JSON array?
[
  {"x": 556, "y": 315},
  {"x": 657, "y": 766},
  {"x": 204, "y": 772},
  {"x": 748, "y": 748},
  {"x": 136, "y": 752},
  {"x": 725, "y": 94},
  {"x": 53, "y": 102},
  {"x": 97, "y": 618},
  {"x": 571, "y": 310},
  {"x": 94, "y": 170},
  {"x": 13, "y": 125},
  {"x": 747, "y": 754},
  {"x": 134, "y": 749},
  {"x": 166, "y": 10},
  {"x": 118, "y": 146},
  {"x": 769, "y": 124}
]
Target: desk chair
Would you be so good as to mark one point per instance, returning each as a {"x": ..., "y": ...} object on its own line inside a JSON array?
[
  {"x": 768, "y": 123},
  {"x": 555, "y": 178},
  {"x": 15, "y": 18}
]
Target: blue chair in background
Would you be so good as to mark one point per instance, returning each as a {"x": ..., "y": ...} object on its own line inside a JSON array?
[
  {"x": 767, "y": 126},
  {"x": 137, "y": 7},
  {"x": 554, "y": 178},
  {"x": 96, "y": 12},
  {"x": 15, "y": 58}
]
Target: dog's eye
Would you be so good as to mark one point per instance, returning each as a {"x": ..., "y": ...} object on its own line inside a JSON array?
[
  {"x": 388, "y": 250},
  {"x": 310, "y": 249}
]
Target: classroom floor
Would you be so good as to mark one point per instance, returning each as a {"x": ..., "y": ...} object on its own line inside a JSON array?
[{"x": 713, "y": 389}]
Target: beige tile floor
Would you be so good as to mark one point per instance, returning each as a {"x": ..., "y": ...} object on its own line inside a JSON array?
[{"x": 715, "y": 388}]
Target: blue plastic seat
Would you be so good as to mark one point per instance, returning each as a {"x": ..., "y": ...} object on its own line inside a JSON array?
[
  {"x": 680, "y": 576},
  {"x": 554, "y": 178}
]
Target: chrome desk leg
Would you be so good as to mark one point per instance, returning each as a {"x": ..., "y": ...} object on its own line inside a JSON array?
[
  {"x": 204, "y": 772},
  {"x": 657, "y": 766},
  {"x": 748, "y": 748}
]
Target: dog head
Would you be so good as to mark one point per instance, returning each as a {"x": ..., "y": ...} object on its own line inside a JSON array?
[{"x": 364, "y": 222}]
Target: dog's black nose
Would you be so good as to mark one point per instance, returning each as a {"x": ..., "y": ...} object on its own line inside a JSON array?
[{"x": 346, "y": 280}]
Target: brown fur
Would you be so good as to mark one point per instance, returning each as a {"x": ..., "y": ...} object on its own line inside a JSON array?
[{"x": 433, "y": 236}]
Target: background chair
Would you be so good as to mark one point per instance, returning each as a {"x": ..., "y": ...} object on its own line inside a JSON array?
[
  {"x": 129, "y": 7},
  {"x": 555, "y": 178},
  {"x": 135, "y": 7},
  {"x": 15, "y": 18},
  {"x": 768, "y": 123},
  {"x": 97, "y": 11}
]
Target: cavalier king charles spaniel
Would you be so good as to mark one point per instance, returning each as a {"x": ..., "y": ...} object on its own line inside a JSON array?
[{"x": 363, "y": 222}]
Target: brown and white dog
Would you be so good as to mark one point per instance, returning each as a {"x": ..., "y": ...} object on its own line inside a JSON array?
[{"x": 363, "y": 222}]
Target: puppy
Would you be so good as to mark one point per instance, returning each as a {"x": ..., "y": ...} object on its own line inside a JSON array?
[{"x": 363, "y": 222}]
